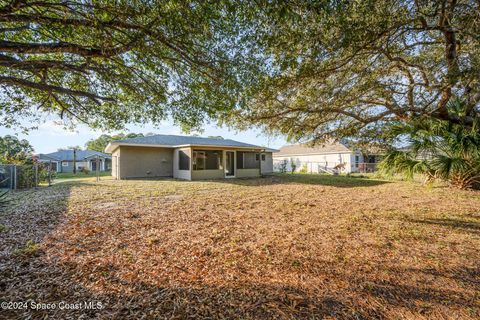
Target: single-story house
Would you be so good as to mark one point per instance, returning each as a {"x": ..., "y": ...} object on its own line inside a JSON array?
[
  {"x": 188, "y": 158},
  {"x": 62, "y": 160},
  {"x": 330, "y": 157}
]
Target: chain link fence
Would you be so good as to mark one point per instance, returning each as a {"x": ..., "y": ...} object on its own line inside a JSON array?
[
  {"x": 321, "y": 167},
  {"x": 25, "y": 176}
]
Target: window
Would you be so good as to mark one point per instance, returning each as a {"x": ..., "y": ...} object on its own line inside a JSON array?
[
  {"x": 357, "y": 161},
  {"x": 64, "y": 164},
  {"x": 263, "y": 156},
  {"x": 248, "y": 160},
  {"x": 183, "y": 161},
  {"x": 207, "y": 160}
]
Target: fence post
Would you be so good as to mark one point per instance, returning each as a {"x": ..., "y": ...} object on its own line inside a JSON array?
[
  {"x": 36, "y": 175},
  {"x": 50, "y": 173},
  {"x": 11, "y": 175},
  {"x": 14, "y": 177}
]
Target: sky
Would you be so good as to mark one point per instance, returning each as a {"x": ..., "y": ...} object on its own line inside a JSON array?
[{"x": 50, "y": 136}]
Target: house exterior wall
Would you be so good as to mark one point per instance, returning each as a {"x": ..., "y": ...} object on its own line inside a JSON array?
[
  {"x": 313, "y": 163},
  {"x": 267, "y": 165},
  {"x": 208, "y": 174},
  {"x": 247, "y": 173},
  {"x": 353, "y": 161},
  {"x": 182, "y": 174},
  {"x": 144, "y": 162},
  {"x": 115, "y": 164},
  {"x": 67, "y": 166}
]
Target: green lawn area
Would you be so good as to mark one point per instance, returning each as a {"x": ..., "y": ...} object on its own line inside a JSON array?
[{"x": 282, "y": 247}]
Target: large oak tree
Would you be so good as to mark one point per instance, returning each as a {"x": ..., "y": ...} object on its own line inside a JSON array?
[
  {"x": 107, "y": 63},
  {"x": 349, "y": 68}
]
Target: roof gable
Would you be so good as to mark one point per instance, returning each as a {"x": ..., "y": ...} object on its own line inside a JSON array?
[{"x": 299, "y": 149}]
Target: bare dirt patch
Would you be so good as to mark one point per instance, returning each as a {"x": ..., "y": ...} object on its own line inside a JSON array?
[{"x": 280, "y": 247}]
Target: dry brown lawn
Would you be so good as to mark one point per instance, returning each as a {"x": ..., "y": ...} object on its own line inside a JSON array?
[{"x": 290, "y": 247}]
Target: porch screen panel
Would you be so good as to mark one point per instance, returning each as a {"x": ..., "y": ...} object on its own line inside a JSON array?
[
  {"x": 183, "y": 160},
  {"x": 213, "y": 160},
  {"x": 240, "y": 159},
  {"x": 248, "y": 160},
  {"x": 207, "y": 160}
]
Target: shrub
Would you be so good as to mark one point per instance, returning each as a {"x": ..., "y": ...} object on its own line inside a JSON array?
[
  {"x": 304, "y": 169},
  {"x": 293, "y": 166},
  {"x": 85, "y": 170},
  {"x": 439, "y": 150},
  {"x": 283, "y": 166}
]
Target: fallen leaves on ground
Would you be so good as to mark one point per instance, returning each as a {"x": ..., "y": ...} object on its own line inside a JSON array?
[{"x": 279, "y": 247}]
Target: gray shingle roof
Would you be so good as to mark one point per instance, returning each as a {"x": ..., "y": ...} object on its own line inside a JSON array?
[
  {"x": 298, "y": 149},
  {"x": 67, "y": 155},
  {"x": 172, "y": 140}
]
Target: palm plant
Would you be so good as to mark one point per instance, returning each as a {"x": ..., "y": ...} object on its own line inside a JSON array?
[{"x": 438, "y": 150}]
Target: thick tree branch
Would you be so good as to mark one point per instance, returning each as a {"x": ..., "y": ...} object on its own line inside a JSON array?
[
  {"x": 50, "y": 88},
  {"x": 61, "y": 47}
]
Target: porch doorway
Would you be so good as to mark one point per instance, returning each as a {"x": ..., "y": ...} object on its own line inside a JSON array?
[{"x": 229, "y": 164}]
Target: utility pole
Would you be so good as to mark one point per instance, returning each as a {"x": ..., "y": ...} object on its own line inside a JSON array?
[{"x": 74, "y": 160}]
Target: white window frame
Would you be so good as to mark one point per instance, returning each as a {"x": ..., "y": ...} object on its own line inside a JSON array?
[{"x": 64, "y": 164}]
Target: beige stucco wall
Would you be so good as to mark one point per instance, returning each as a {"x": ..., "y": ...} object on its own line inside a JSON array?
[
  {"x": 208, "y": 174},
  {"x": 267, "y": 165},
  {"x": 247, "y": 173},
  {"x": 115, "y": 168},
  {"x": 145, "y": 162},
  {"x": 182, "y": 174}
]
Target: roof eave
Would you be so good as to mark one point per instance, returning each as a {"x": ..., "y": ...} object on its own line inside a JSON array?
[{"x": 113, "y": 146}]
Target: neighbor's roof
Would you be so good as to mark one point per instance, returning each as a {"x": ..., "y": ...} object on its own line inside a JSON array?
[
  {"x": 67, "y": 155},
  {"x": 301, "y": 149},
  {"x": 172, "y": 141}
]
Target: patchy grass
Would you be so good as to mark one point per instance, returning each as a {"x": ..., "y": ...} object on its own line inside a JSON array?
[
  {"x": 30, "y": 248},
  {"x": 81, "y": 175},
  {"x": 293, "y": 246}
]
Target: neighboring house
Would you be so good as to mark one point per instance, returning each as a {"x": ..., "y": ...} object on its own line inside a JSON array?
[
  {"x": 189, "y": 158},
  {"x": 62, "y": 161},
  {"x": 323, "y": 158}
]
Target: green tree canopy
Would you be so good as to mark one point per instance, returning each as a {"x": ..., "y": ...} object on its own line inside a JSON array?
[
  {"x": 107, "y": 63},
  {"x": 100, "y": 143},
  {"x": 13, "y": 150},
  {"x": 348, "y": 68}
]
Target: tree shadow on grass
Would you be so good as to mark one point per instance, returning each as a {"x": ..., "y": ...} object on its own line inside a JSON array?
[
  {"x": 365, "y": 296},
  {"x": 309, "y": 179},
  {"x": 454, "y": 223},
  {"x": 362, "y": 299}
]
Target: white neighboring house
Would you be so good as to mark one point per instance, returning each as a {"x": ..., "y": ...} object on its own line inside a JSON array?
[{"x": 329, "y": 157}]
